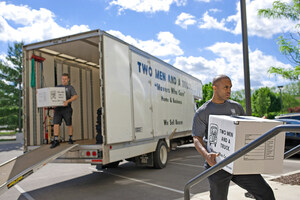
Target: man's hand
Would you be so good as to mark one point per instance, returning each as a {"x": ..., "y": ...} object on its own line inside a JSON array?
[
  {"x": 211, "y": 158},
  {"x": 65, "y": 103}
]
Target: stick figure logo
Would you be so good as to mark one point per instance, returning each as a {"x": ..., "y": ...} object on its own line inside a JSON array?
[
  {"x": 52, "y": 95},
  {"x": 213, "y": 134}
]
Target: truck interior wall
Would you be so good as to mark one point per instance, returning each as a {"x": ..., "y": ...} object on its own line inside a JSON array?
[
  {"x": 25, "y": 80},
  {"x": 82, "y": 77}
]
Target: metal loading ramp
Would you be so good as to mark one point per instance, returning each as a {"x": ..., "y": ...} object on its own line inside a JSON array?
[{"x": 17, "y": 169}]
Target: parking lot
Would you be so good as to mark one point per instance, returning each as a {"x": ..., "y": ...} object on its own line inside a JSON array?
[{"x": 83, "y": 181}]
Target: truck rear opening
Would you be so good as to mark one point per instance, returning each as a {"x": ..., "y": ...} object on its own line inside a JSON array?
[{"x": 79, "y": 57}]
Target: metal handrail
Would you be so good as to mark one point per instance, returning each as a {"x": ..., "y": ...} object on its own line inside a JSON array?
[
  {"x": 292, "y": 152},
  {"x": 268, "y": 135}
]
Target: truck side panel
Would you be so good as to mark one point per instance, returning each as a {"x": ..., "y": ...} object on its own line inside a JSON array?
[
  {"x": 117, "y": 84},
  {"x": 163, "y": 98}
]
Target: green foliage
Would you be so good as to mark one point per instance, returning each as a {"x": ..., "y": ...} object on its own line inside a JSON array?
[
  {"x": 289, "y": 47},
  {"x": 289, "y": 101},
  {"x": 272, "y": 115},
  {"x": 275, "y": 105},
  {"x": 10, "y": 86},
  {"x": 265, "y": 101},
  {"x": 207, "y": 92},
  {"x": 261, "y": 101},
  {"x": 293, "y": 89},
  {"x": 239, "y": 96},
  {"x": 281, "y": 9}
]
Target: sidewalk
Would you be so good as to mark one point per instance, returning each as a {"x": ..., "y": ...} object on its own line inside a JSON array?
[
  {"x": 281, "y": 191},
  {"x": 11, "y": 139}
]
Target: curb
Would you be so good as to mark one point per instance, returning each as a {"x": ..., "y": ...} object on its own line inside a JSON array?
[{"x": 18, "y": 138}]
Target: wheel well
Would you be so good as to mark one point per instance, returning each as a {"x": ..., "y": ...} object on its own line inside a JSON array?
[{"x": 166, "y": 141}]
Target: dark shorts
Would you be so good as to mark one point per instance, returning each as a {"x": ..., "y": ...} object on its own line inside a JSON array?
[{"x": 63, "y": 113}]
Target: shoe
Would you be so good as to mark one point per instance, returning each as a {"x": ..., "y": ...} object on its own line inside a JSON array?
[
  {"x": 70, "y": 141},
  {"x": 249, "y": 195},
  {"x": 54, "y": 144}
]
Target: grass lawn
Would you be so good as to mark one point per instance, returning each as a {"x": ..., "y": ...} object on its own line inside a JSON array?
[{"x": 3, "y": 133}]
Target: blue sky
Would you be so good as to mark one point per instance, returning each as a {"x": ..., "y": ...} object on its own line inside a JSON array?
[{"x": 200, "y": 37}]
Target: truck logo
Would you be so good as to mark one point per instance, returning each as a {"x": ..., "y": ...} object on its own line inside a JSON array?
[
  {"x": 213, "y": 134},
  {"x": 52, "y": 95}
]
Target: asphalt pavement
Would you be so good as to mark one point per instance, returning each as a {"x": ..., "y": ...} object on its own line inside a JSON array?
[{"x": 83, "y": 181}]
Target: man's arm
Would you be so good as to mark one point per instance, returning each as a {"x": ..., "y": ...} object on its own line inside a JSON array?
[
  {"x": 73, "y": 98},
  {"x": 200, "y": 146}
]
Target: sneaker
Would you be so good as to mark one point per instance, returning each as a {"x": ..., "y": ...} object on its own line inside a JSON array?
[
  {"x": 54, "y": 144},
  {"x": 70, "y": 141},
  {"x": 249, "y": 195}
]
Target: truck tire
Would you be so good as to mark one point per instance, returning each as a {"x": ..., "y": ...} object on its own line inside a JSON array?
[{"x": 160, "y": 157}]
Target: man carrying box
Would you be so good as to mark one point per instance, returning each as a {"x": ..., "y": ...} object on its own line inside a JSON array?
[
  {"x": 219, "y": 182},
  {"x": 64, "y": 112}
]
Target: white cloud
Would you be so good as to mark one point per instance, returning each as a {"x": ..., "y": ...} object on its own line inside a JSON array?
[
  {"x": 5, "y": 61},
  {"x": 150, "y": 6},
  {"x": 3, "y": 57},
  {"x": 208, "y": 22},
  {"x": 206, "y": 1},
  {"x": 185, "y": 19},
  {"x": 261, "y": 26},
  {"x": 230, "y": 62},
  {"x": 21, "y": 23},
  {"x": 214, "y": 10},
  {"x": 165, "y": 45},
  {"x": 257, "y": 26}
]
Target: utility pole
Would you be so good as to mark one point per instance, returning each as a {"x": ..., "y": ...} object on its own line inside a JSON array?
[
  {"x": 246, "y": 58},
  {"x": 280, "y": 86}
]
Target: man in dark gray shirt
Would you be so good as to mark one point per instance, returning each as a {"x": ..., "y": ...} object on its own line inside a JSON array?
[
  {"x": 64, "y": 112},
  {"x": 219, "y": 182}
]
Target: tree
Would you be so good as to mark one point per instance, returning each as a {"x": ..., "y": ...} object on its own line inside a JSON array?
[
  {"x": 11, "y": 87},
  {"x": 275, "y": 105},
  {"x": 289, "y": 101},
  {"x": 207, "y": 93},
  {"x": 239, "y": 96},
  {"x": 289, "y": 47},
  {"x": 293, "y": 89},
  {"x": 266, "y": 102}
]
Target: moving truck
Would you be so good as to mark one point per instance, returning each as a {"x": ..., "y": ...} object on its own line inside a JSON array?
[{"x": 131, "y": 106}]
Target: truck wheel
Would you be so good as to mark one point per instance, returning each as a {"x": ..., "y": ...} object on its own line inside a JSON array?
[{"x": 161, "y": 155}]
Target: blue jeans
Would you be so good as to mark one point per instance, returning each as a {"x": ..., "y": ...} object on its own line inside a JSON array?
[{"x": 253, "y": 183}]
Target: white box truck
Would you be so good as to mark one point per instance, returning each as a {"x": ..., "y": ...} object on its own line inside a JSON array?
[{"x": 131, "y": 106}]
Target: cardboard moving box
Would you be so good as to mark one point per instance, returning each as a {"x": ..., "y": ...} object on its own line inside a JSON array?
[
  {"x": 228, "y": 134},
  {"x": 51, "y": 96}
]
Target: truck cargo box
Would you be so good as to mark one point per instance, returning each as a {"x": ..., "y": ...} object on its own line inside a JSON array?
[{"x": 129, "y": 101}]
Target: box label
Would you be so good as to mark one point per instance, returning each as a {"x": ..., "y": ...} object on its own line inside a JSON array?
[{"x": 265, "y": 151}]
